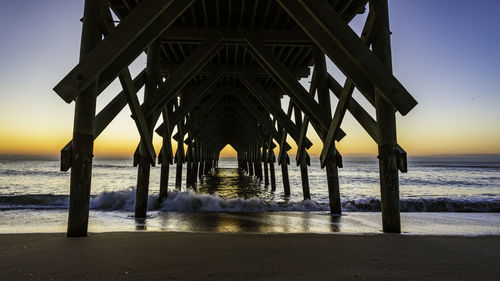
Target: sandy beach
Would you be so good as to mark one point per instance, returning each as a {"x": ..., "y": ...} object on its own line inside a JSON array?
[{"x": 217, "y": 256}]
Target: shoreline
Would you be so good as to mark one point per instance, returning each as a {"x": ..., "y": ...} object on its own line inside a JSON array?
[
  {"x": 442, "y": 224},
  {"x": 247, "y": 256}
]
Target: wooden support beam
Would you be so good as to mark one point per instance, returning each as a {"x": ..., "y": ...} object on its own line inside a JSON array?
[
  {"x": 283, "y": 132},
  {"x": 322, "y": 83},
  {"x": 194, "y": 173},
  {"x": 251, "y": 128},
  {"x": 193, "y": 35},
  {"x": 138, "y": 116},
  {"x": 346, "y": 93},
  {"x": 103, "y": 118},
  {"x": 229, "y": 69},
  {"x": 330, "y": 32},
  {"x": 250, "y": 164},
  {"x": 189, "y": 104},
  {"x": 260, "y": 94},
  {"x": 179, "y": 156},
  {"x": 271, "y": 170},
  {"x": 166, "y": 134},
  {"x": 145, "y": 162},
  {"x": 299, "y": 95},
  {"x": 266, "y": 124},
  {"x": 165, "y": 155},
  {"x": 300, "y": 157},
  {"x": 367, "y": 122},
  {"x": 189, "y": 161},
  {"x": 106, "y": 115},
  {"x": 202, "y": 162},
  {"x": 115, "y": 106},
  {"x": 193, "y": 126},
  {"x": 285, "y": 160},
  {"x": 338, "y": 116},
  {"x": 270, "y": 143},
  {"x": 257, "y": 163},
  {"x": 359, "y": 113},
  {"x": 305, "y": 181},
  {"x": 332, "y": 177},
  {"x": 386, "y": 119},
  {"x": 264, "y": 160},
  {"x": 249, "y": 123},
  {"x": 303, "y": 165},
  {"x": 217, "y": 93},
  {"x": 185, "y": 72},
  {"x": 202, "y": 113},
  {"x": 141, "y": 26},
  {"x": 332, "y": 159},
  {"x": 83, "y": 132}
]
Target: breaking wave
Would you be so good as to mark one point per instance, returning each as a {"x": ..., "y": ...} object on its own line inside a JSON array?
[
  {"x": 189, "y": 201},
  {"x": 428, "y": 205},
  {"x": 39, "y": 201}
]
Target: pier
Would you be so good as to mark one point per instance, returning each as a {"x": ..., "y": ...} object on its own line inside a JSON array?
[{"x": 216, "y": 73}]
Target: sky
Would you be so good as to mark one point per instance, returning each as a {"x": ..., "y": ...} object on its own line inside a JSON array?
[{"x": 445, "y": 53}]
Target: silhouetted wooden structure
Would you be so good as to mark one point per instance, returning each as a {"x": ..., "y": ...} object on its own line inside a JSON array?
[{"x": 216, "y": 70}]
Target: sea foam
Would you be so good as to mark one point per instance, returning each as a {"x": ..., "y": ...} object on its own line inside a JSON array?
[{"x": 189, "y": 201}]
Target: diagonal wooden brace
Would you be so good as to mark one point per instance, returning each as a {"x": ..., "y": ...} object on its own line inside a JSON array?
[
  {"x": 285, "y": 79},
  {"x": 338, "y": 116},
  {"x": 188, "y": 105},
  {"x": 136, "y": 31},
  {"x": 367, "y": 122},
  {"x": 103, "y": 118},
  {"x": 263, "y": 97},
  {"x": 184, "y": 73},
  {"x": 266, "y": 123},
  {"x": 336, "y": 39},
  {"x": 140, "y": 121}
]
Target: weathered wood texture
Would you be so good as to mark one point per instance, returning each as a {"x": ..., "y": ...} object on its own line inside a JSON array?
[
  {"x": 83, "y": 132},
  {"x": 386, "y": 119}
]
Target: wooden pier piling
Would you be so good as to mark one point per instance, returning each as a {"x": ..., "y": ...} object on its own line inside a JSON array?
[
  {"x": 164, "y": 170},
  {"x": 83, "y": 132},
  {"x": 305, "y": 182},
  {"x": 201, "y": 169},
  {"x": 386, "y": 119},
  {"x": 179, "y": 157},
  {"x": 145, "y": 145},
  {"x": 266, "y": 173},
  {"x": 284, "y": 174}
]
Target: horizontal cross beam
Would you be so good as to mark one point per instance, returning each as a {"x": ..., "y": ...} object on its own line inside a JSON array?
[
  {"x": 233, "y": 35},
  {"x": 229, "y": 69}
]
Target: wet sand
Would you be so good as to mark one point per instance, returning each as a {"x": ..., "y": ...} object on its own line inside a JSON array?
[{"x": 222, "y": 256}]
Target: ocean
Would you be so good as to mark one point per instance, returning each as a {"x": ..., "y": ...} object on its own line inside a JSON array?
[{"x": 438, "y": 196}]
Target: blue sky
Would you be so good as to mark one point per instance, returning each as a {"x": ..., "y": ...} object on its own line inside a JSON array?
[{"x": 444, "y": 53}]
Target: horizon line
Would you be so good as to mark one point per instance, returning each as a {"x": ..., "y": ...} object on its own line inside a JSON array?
[{"x": 14, "y": 156}]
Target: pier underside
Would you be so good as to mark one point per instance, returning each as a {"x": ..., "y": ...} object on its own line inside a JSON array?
[{"x": 216, "y": 73}]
